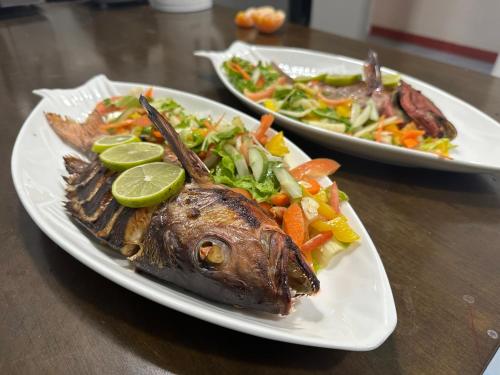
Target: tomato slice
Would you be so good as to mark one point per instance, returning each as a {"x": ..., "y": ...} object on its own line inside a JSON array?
[
  {"x": 316, "y": 241},
  {"x": 315, "y": 168}
]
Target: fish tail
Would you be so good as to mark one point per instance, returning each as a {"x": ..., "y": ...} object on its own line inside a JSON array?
[
  {"x": 189, "y": 160},
  {"x": 80, "y": 136}
]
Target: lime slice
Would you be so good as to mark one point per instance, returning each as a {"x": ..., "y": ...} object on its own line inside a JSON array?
[
  {"x": 390, "y": 80},
  {"x": 129, "y": 155},
  {"x": 342, "y": 80},
  {"x": 108, "y": 141},
  {"x": 304, "y": 79},
  {"x": 148, "y": 184}
]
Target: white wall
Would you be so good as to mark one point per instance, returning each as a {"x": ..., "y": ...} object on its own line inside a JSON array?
[
  {"x": 350, "y": 18},
  {"x": 473, "y": 23}
]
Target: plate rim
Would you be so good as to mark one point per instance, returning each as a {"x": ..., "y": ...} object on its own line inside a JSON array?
[
  {"x": 463, "y": 165},
  {"x": 126, "y": 281}
]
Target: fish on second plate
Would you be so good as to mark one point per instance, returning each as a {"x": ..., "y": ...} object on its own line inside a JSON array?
[
  {"x": 207, "y": 239},
  {"x": 381, "y": 108}
]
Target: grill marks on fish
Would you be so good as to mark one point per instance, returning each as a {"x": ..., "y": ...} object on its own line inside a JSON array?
[
  {"x": 240, "y": 205},
  {"x": 91, "y": 204}
]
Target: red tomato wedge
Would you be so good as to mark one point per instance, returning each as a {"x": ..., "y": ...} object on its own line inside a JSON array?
[
  {"x": 315, "y": 168},
  {"x": 315, "y": 242},
  {"x": 334, "y": 197}
]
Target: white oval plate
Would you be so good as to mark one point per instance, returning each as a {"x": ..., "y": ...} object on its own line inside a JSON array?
[
  {"x": 478, "y": 134},
  {"x": 354, "y": 309}
]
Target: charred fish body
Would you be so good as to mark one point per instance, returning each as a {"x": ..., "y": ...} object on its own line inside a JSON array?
[{"x": 207, "y": 239}]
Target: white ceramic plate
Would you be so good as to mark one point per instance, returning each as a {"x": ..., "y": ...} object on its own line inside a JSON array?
[
  {"x": 354, "y": 309},
  {"x": 478, "y": 134}
]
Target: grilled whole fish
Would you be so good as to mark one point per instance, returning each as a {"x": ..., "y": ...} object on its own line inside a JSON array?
[
  {"x": 403, "y": 101},
  {"x": 257, "y": 266}
]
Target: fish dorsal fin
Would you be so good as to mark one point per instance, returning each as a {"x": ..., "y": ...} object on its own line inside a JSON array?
[
  {"x": 373, "y": 76},
  {"x": 196, "y": 169}
]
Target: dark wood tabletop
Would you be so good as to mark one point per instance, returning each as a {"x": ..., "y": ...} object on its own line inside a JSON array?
[{"x": 438, "y": 233}]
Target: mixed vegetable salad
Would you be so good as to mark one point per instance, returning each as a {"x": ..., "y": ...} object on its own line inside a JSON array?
[
  {"x": 306, "y": 99},
  {"x": 253, "y": 164}
]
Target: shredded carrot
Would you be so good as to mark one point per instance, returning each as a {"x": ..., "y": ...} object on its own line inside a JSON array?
[
  {"x": 238, "y": 69},
  {"x": 208, "y": 125},
  {"x": 294, "y": 224},
  {"x": 265, "y": 123},
  {"x": 219, "y": 120},
  {"x": 412, "y": 133},
  {"x": 280, "y": 199},
  {"x": 101, "y": 108},
  {"x": 260, "y": 82},
  {"x": 410, "y": 142},
  {"x": 243, "y": 192},
  {"x": 142, "y": 121},
  {"x": 157, "y": 134},
  {"x": 149, "y": 93}
]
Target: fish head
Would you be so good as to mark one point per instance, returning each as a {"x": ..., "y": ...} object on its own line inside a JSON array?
[{"x": 221, "y": 245}]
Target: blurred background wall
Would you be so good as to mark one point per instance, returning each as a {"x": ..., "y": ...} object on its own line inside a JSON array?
[{"x": 471, "y": 23}]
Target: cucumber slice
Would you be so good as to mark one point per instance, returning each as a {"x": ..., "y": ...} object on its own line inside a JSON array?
[
  {"x": 287, "y": 182},
  {"x": 258, "y": 163},
  {"x": 239, "y": 160}
]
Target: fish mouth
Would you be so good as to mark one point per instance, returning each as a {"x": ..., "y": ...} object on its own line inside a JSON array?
[{"x": 293, "y": 276}]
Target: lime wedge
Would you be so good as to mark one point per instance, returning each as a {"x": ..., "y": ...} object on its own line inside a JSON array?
[
  {"x": 304, "y": 79},
  {"x": 342, "y": 80},
  {"x": 148, "y": 184},
  {"x": 108, "y": 141},
  {"x": 129, "y": 155},
  {"x": 390, "y": 80}
]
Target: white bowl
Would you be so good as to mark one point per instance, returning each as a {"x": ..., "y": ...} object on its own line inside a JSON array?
[{"x": 181, "y": 6}]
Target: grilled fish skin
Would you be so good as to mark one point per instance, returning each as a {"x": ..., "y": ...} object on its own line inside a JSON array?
[
  {"x": 425, "y": 113},
  {"x": 260, "y": 267}
]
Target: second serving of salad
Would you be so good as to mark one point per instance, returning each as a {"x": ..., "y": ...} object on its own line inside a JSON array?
[{"x": 380, "y": 108}]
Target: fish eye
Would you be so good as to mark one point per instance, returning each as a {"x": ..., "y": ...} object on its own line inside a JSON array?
[{"x": 212, "y": 253}]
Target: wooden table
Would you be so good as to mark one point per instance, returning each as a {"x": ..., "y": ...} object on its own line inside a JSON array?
[{"x": 438, "y": 233}]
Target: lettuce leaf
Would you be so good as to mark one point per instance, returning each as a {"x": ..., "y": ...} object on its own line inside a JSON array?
[{"x": 225, "y": 173}]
